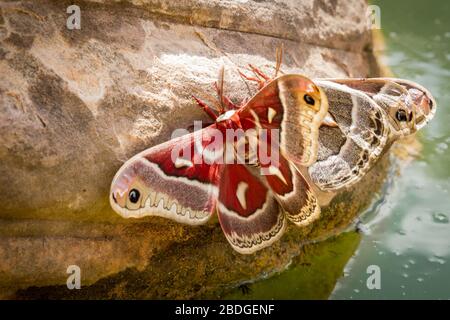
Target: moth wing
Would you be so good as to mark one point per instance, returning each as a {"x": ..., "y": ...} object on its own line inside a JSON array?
[
  {"x": 172, "y": 181},
  {"x": 348, "y": 152},
  {"x": 292, "y": 192},
  {"x": 387, "y": 92},
  {"x": 282, "y": 105},
  {"x": 248, "y": 211}
]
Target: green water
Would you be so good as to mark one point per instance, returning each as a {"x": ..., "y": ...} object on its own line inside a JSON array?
[{"x": 408, "y": 228}]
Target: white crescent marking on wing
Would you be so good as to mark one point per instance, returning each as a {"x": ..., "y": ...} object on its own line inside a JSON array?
[
  {"x": 241, "y": 194},
  {"x": 275, "y": 171},
  {"x": 271, "y": 114},
  {"x": 181, "y": 162}
]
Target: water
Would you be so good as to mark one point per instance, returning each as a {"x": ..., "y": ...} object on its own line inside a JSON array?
[{"x": 409, "y": 231}]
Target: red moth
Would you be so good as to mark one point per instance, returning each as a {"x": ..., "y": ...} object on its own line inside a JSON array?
[{"x": 186, "y": 179}]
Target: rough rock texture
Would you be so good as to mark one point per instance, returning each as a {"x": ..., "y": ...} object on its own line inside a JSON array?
[{"x": 75, "y": 104}]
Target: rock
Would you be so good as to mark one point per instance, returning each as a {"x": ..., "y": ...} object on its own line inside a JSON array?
[{"x": 75, "y": 104}]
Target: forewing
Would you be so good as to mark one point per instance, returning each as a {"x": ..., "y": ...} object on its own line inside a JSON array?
[
  {"x": 282, "y": 105},
  {"x": 348, "y": 152},
  {"x": 173, "y": 180}
]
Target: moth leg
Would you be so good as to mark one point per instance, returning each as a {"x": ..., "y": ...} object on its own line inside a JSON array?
[
  {"x": 261, "y": 83},
  {"x": 258, "y": 72},
  {"x": 229, "y": 105},
  {"x": 279, "y": 59},
  {"x": 205, "y": 108},
  {"x": 261, "y": 74},
  {"x": 219, "y": 88}
]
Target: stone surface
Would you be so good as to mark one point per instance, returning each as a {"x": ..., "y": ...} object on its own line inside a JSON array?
[{"x": 75, "y": 104}]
